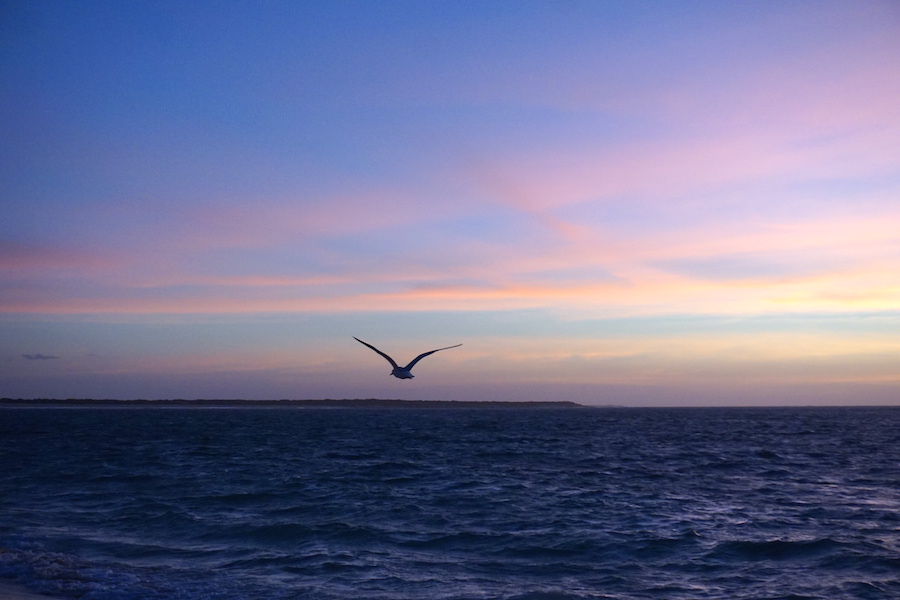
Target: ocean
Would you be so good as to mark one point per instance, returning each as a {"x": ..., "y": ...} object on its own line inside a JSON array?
[{"x": 469, "y": 503}]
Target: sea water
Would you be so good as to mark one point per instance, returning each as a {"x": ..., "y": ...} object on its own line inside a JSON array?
[{"x": 542, "y": 504}]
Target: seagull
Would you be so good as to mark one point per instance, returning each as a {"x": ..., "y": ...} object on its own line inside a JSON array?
[{"x": 403, "y": 372}]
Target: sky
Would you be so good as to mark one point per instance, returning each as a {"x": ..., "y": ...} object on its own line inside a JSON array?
[{"x": 634, "y": 203}]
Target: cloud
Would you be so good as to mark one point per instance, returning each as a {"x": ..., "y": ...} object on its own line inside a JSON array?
[
  {"x": 738, "y": 267},
  {"x": 29, "y": 257},
  {"x": 39, "y": 356}
]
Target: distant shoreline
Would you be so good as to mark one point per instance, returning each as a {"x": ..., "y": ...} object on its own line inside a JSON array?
[{"x": 326, "y": 403}]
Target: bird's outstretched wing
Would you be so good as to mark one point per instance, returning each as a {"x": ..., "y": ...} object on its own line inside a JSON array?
[
  {"x": 424, "y": 354},
  {"x": 389, "y": 359}
]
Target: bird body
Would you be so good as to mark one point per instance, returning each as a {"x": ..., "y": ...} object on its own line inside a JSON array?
[{"x": 403, "y": 372}]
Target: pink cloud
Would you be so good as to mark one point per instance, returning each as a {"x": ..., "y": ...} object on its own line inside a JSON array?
[
  {"x": 28, "y": 257},
  {"x": 673, "y": 170},
  {"x": 822, "y": 262},
  {"x": 830, "y": 109}
]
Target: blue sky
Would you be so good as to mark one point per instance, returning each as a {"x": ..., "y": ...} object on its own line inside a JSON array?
[{"x": 616, "y": 203}]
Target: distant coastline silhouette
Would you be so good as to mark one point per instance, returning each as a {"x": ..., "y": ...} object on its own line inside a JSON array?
[{"x": 403, "y": 372}]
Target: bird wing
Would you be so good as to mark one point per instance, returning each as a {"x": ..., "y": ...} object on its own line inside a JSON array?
[
  {"x": 424, "y": 354},
  {"x": 389, "y": 359}
]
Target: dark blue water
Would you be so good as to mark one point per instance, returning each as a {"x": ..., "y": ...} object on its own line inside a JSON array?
[{"x": 202, "y": 504}]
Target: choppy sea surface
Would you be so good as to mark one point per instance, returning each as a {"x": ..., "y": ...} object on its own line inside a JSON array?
[{"x": 402, "y": 504}]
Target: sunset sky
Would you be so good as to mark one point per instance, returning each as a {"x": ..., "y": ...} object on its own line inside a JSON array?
[{"x": 635, "y": 203}]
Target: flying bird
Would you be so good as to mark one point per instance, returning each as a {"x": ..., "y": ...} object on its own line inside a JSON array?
[{"x": 403, "y": 372}]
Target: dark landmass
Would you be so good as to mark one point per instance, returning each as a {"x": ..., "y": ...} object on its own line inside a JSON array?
[{"x": 327, "y": 403}]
